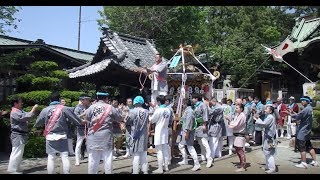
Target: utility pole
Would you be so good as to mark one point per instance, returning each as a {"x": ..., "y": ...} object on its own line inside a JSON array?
[{"x": 79, "y": 29}]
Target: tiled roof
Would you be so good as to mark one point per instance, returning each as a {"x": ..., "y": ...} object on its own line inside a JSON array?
[
  {"x": 79, "y": 55},
  {"x": 304, "y": 29},
  {"x": 94, "y": 68},
  {"x": 135, "y": 52},
  {"x": 5, "y": 40},
  {"x": 75, "y": 54},
  {"x": 304, "y": 33}
]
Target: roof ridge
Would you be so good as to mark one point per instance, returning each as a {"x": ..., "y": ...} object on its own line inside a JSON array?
[
  {"x": 309, "y": 19},
  {"x": 14, "y": 38},
  {"x": 131, "y": 36},
  {"x": 50, "y": 45},
  {"x": 74, "y": 50}
]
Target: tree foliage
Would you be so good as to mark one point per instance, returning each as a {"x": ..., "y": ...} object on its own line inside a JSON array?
[
  {"x": 11, "y": 59},
  {"x": 231, "y": 36},
  {"x": 7, "y": 19},
  {"x": 167, "y": 25}
]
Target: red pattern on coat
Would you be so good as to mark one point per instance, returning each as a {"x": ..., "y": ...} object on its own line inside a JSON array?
[
  {"x": 295, "y": 108},
  {"x": 282, "y": 113}
]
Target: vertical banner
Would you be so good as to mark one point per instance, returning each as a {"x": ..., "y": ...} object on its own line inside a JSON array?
[
  {"x": 308, "y": 89},
  {"x": 231, "y": 94},
  {"x": 280, "y": 94}
]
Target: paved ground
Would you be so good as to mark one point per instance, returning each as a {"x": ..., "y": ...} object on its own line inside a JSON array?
[{"x": 285, "y": 160}]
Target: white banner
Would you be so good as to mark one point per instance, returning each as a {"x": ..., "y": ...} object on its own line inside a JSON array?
[
  {"x": 219, "y": 95},
  {"x": 308, "y": 89},
  {"x": 231, "y": 94},
  {"x": 280, "y": 94}
]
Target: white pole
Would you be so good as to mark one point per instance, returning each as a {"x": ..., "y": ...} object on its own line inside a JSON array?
[
  {"x": 201, "y": 64},
  {"x": 173, "y": 57},
  {"x": 297, "y": 71}
]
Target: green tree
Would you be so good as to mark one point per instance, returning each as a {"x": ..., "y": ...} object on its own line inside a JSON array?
[
  {"x": 9, "y": 60},
  {"x": 7, "y": 18},
  {"x": 231, "y": 35},
  {"x": 167, "y": 25},
  {"x": 234, "y": 36}
]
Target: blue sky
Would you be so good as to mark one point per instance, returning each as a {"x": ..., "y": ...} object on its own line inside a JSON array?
[{"x": 58, "y": 25}]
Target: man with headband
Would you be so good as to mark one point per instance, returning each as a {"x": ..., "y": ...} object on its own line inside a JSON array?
[
  {"x": 137, "y": 119},
  {"x": 84, "y": 103},
  {"x": 304, "y": 119},
  {"x": 101, "y": 115}
]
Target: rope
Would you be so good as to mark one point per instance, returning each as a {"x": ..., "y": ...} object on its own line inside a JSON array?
[
  {"x": 254, "y": 72},
  {"x": 142, "y": 84}
]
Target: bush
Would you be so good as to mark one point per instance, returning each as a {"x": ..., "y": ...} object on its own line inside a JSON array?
[
  {"x": 24, "y": 82},
  {"x": 35, "y": 148},
  {"x": 74, "y": 103},
  {"x": 25, "y": 79},
  {"x": 72, "y": 95},
  {"x": 34, "y": 97},
  {"x": 44, "y": 66},
  {"x": 316, "y": 98},
  {"x": 46, "y": 83},
  {"x": 39, "y": 109},
  {"x": 59, "y": 74},
  {"x": 316, "y": 114}
]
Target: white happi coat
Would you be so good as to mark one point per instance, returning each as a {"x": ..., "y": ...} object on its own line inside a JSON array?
[{"x": 161, "y": 117}]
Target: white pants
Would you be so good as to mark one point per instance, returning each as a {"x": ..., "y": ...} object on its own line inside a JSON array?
[
  {"x": 192, "y": 152},
  {"x": 230, "y": 143},
  {"x": 140, "y": 160},
  {"x": 169, "y": 148},
  {"x": 94, "y": 159},
  {"x": 204, "y": 146},
  {"x": 270, "y": 163},
  {"x": 162, "y": 154},
  {"x": 155, "y": 94},
  {"x": 214, "y": 144},
  {"x": 65, "y": 163},
  {"x": 16, "y": 158},
  {"x": 291, "y": 127},
  {"x": 78, "y": 148},
  {"x": 70, "y": 146}
]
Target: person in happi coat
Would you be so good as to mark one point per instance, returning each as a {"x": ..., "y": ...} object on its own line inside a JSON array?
[
  {"x": 55, "y": 117},
  {"x": 282, "y": 108},
  {"x": 249, "y": 120},
  {"x": 161, "y": 117},
  {"x": 258, "y": 109},
  {"x": 125, "y": 112},
  {"x": 187, "y": 136},
  {"x": 169, "y": 105},
  {"x": 291, "y": 126},
  {"x": 304, "y": 121},
  {"x": 19, "y": 133},
  {"x": 138, "y": 143},
  {"x": 227, "y": 112},
  {"x": 269, "y": 138},
  {"x": 70, "y": 132},
  {"x": 117, "y": 128},
  {"x": 79, "y": 110},
  {"x": 216, "y": 128},
  {"x": 239, "y": 127},
  {"x": 101, "y": 117},
  {"x": 159, "y": 85},
  {"x": 201, "y": 134}
]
